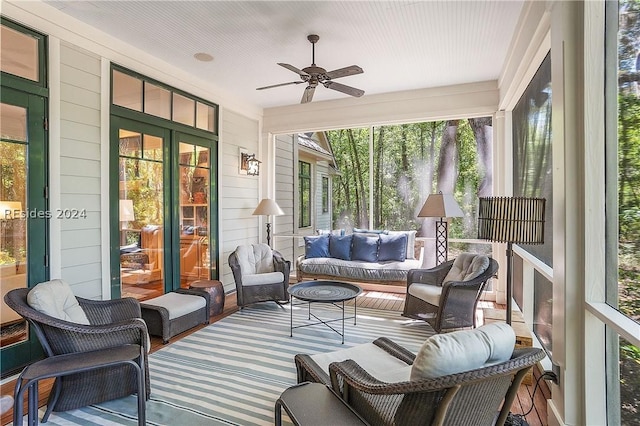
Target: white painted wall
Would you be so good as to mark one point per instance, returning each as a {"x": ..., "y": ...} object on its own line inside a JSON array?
[
  {"x": 79, "y": 179},
  {"x": 284, "y": 193},
  {"x": 239, "y": 194}
]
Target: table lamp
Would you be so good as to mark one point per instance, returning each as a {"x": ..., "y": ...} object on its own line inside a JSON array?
[
  {"x": 441, "y": 206},
  {"x": 268, "y": 207}
]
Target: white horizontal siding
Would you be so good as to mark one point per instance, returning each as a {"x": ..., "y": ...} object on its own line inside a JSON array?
[
  {"x": 239, "y": 194},
  {"x": 80, "y": 181},
  {"x": 284, "y": 145}
]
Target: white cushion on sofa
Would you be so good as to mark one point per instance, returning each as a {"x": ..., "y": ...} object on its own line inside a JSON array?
[
  {"x": 465, "y": 350},
  {"x": 467, "y": 266},
  {"x": 55, "y": 298}
]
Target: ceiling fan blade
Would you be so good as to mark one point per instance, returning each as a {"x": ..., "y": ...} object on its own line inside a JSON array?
[
  {"x": 278, "y": 85},
  {"x": 344, "y": 89},
  {"x": 294, "y": 69},
  {"x": 308, "y": 94},
  {"x": 344, "y": 72}
]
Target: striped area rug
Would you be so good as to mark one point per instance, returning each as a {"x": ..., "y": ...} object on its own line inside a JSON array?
[{"x": 232, "y": 372}]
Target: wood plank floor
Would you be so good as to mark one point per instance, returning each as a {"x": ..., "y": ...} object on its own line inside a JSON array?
[{"x": 372, "y": 297}]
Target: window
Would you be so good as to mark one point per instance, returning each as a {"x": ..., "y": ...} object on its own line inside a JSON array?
[
  {"x": 22, "y": 53},
  {"x": 141, "y": 94},
  {"x": 533, "y": 177},
  {"x": 623, "y": 226},
  {"x": 325, "y": 194},
  {"x": 304, "y": 181}
]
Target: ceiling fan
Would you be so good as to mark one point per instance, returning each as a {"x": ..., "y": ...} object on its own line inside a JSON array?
[{"x": 312, "y": 75}]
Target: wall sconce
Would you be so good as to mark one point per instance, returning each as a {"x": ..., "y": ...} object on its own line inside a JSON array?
[{"x": 249, "y": 164}]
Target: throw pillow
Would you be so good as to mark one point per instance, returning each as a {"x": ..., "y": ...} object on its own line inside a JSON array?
[
  {"x": 340, "y": 247},
  {"x": 411, "y": 242},
  {"x": 330, "y": 231},
  {"x": 392, "y": 247},
  {"x": 466, "y": 267},
  {"x": 55, "y": 298},
  {"x": 365, "y": 248},
  {"x": 316, "y": 246},
  {"x": 465, "y": 350}
]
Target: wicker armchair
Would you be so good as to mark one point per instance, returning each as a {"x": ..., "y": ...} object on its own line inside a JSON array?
[
  {"x": 112, "y": 323},
  {"x": 261, "y": 274},
  {"x": 445, "y": 305},
  {"x": 477, "y": 397}
]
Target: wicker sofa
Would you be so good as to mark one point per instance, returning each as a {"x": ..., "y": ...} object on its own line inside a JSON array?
[{"x": 380, "y": 257}]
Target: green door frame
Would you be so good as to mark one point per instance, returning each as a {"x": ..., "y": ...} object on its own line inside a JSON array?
[
  {"x": 118, "y": 123},
  {"x": 212, "y": 236},
  {"x": 171, "y": 240},
  {"x": 20, "y": 354}
]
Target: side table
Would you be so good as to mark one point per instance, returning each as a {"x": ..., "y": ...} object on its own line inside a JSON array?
[
  {"x": 216, "y": 293},
  {"x": 314, "y": 404},
  {"x": 77, "y": 362}
]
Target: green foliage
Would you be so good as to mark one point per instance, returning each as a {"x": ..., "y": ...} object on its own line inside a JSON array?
[{"x": 404, "y": 173}]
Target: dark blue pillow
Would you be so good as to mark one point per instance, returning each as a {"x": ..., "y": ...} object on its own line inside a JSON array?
[
  {"x": 316, "y": 246},
  {"x": 365, "y": 248},
  {"x": 340, "y": 246},
  {"x": 393, "y": 247}
]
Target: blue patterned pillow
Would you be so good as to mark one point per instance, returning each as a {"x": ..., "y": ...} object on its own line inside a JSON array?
[
  {"x": 392, "y": 247},
  {"x": 365, "y": 248},
  {"x": 316, "y": 246},
  {"x": 340, "y": 246}
]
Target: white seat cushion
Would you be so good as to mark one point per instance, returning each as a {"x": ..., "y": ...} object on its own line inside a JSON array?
[
  {"x": 467, "y": 266},
  {"x": 427, "y": 292},
  {"x": 265, "y": 278},
  {"x": 178, "y": 304},
  {"x": 465, "y": 350},
  {"x": 372, "y": 358},
  {"x": 55, "y": 298}
]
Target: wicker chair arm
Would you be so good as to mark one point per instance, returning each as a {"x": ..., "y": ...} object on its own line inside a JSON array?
[
  {"x": 66, "y": 337},
  {"x": 280, "y": 264},
  {"x": 308, "y": 371},
  {"x": 108, "y": 311},
  {"x": 433, "y": 276},
  {"x": 394, "y": 349}
]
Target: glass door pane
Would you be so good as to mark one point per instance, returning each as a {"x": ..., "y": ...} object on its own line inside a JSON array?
[
  {"x": 194, "y": 195},
  {"x": 13, "y": 230},
  {"x": 141, "y": 214}
]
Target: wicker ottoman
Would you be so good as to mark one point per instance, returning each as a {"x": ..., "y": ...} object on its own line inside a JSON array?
[{"x": 175, "y": 312}]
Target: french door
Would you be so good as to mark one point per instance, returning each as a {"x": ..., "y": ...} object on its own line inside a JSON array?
[
  {"x": 162, "y": 238},
  {"x": 23, "y": 216}
]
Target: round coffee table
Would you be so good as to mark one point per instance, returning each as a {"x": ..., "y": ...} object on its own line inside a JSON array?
[{"x": 333, "y": 292}]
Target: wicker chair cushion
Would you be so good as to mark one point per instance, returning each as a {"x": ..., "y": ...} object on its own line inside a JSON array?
[
  {"x": 427, "y": 292},
  {"x": 255, "y": 259},
  {"x": 458, "y": 351},
  {"x": 55, "y": 298},
  {"x": 261, "y": 279},
  {"x": 375, "y": 360},
  {"x": 467, "y": 266}
]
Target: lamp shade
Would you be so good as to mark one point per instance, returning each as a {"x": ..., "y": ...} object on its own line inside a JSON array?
[
  {"x": 441, "y": 205},
  {"x": 268, "y": 207},
  {"x": 511, "y": 219},
  {"x": 10, "y": 210},
  {"x": 126, "y": 211}
]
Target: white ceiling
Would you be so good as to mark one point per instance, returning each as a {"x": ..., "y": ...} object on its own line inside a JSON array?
[{"x": 401, "y": 45}]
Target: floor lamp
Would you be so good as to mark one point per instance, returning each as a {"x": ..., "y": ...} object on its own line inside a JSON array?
[
  {"x": 511, "y": 220},
  {"x": 268, "y": 207},
  {"x": 441, "y": 206}
]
